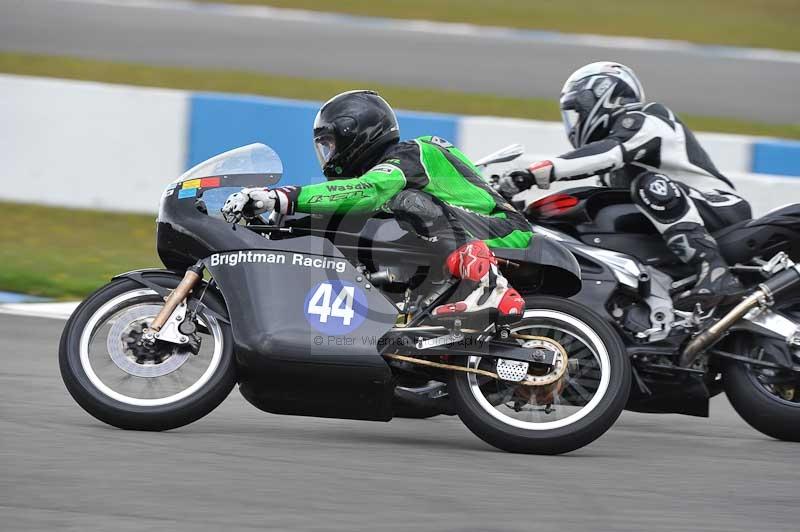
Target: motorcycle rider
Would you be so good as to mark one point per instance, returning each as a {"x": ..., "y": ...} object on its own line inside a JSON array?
[
  {"x": 426, "y": 183},
  {"x": 644, "y": 147}
]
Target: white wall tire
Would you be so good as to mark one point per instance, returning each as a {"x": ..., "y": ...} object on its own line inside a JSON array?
[
  {"x": 106, "y": 401},
  {"x": 581, "y": 421}
]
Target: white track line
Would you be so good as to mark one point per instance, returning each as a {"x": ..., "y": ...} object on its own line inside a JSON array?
[
  {"x": 58, "y": 311},
  {"x": 459, "y": 29}
]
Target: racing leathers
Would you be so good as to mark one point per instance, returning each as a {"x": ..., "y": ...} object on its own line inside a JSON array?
[
  {"x": 435, "y": 191},
  {"x": 654, "y": 154}
]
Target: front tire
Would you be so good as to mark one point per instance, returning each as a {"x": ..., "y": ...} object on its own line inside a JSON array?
[
  {"x": 175, "y": 389},
  {"x": 586, "y": 405}
]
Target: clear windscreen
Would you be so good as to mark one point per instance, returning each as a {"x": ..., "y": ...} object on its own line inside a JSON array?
[
  {"x": 251, "y": 159},
  {"x": 254, "y": 165}
]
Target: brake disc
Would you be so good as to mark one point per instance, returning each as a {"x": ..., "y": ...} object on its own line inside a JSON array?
[{"x": 135, "y": 357}]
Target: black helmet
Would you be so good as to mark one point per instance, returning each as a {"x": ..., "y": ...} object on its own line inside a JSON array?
[
  {"x": 593, "y": 95},
  {"x": 351, "y": 131}
]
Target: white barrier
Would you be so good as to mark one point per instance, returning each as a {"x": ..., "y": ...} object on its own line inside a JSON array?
[{"x": 83, "y": 144}]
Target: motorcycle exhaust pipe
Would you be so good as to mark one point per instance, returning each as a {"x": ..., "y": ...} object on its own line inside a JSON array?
[{"x": 763, "y": 296}]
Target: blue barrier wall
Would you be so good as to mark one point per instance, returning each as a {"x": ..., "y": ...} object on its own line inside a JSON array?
[
  {"x": 777, "y": 157},
  {"x": 220, "y": 122}
]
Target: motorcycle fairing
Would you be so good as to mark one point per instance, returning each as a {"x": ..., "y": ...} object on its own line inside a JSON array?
[
  {"x": 778, "y": 230},
  {"x": 286, "y": 365},
  {"x": 267, "y": 298},
  {"x": 606, "y": 218},
  {"x": 672, "y": 394},
  {"x": 545, "y": 266}
]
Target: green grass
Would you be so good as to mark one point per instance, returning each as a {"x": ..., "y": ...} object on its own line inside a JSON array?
[
  {"x": 65, "y": 253},
  {"x": 759, "y": 23},
  {"x": 310, "y": 89}
]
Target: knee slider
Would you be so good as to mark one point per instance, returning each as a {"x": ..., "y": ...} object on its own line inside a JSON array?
[{"x": 660, "y": 196}]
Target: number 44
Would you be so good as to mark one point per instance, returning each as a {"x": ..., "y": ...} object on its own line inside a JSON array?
[{"x": 341, "y": 307}]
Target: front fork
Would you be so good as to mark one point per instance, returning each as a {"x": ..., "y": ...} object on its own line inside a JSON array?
[{"x": 175, "y": 299}]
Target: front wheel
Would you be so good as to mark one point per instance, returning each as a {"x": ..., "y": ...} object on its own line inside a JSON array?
[
  {"x": 556, "y": 417},
  {"x": 130, "y": 384}
]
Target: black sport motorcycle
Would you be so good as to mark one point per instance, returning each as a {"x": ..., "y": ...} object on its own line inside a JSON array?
[
  {"x": 330, "y": 317},
  {"x": 749, "y": 349}
]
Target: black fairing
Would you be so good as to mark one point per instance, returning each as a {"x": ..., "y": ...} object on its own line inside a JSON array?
[
  {"x": 266, "y": 303},
  {"x": 544, "y": 267},
  {"x": 606, "y": 218},
  {"x": 185, "y": 234},
  {"x": 288, "y": 366},
  {"x": 281, "y": 369},
  {"x": 672, "y": 394},
  {"x": 776, "y": 231}
]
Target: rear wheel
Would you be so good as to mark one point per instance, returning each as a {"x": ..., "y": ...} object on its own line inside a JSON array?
[
  {"x": 127, "y": 383},
  {"x": 554, "y": 417},
  {"x": 767, "y": 399}
]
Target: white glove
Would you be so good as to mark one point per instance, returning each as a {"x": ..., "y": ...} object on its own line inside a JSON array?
[
  {"x": 255, "y": 200},
  {"x": 542, "y": 172}
]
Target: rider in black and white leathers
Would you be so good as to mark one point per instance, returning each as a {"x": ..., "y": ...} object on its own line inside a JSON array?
[{"x": 644, "y": 147}]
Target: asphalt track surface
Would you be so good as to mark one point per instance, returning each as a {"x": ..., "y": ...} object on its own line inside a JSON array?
[
  {"x": 697, "y": 80},
  {"x": 239, "y": 469}
]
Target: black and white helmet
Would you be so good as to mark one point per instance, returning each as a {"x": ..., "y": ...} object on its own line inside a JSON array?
[{"x": 593, "y": 95}]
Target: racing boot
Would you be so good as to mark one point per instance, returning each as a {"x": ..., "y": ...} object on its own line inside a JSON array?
[
  {"x": 490, "y": 297},
  {"x": 692, "y": 243}
]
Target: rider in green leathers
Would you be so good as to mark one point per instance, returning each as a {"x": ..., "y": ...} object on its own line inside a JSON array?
[{"x": 427, "y": 184}]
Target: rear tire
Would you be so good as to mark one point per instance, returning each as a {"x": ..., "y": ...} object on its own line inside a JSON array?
[
  {"x": 761, "y": 410},
  {"x": 122, "y": 414},
  {"x": 595, "y": 421}
]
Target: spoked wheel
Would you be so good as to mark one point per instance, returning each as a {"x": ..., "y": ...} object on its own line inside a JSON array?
[
  {"x": 123, "y": 380},
  {"x": 554, "y": 409}
]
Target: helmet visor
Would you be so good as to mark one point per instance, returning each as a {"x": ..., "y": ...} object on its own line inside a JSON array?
[
  {"x": 570, "y": 118},
  {"x": 325, "y": 146},
  {"x": 569, "y": 115}
]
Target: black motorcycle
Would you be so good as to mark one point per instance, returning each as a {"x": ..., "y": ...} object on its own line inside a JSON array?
[
  {"x": 330, "y": 317},
  {"x": 749, "y": 348}
]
